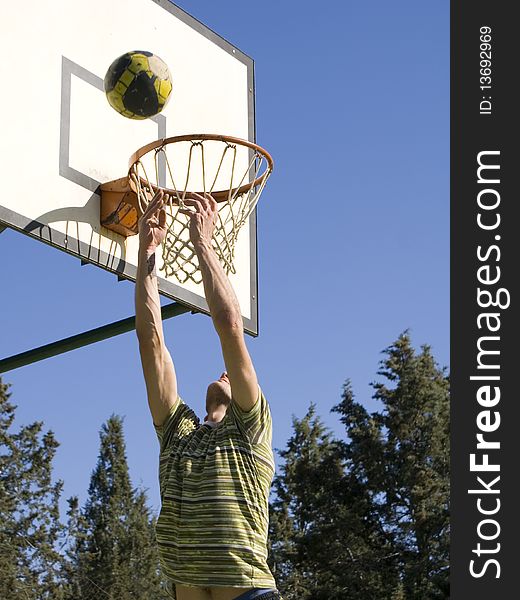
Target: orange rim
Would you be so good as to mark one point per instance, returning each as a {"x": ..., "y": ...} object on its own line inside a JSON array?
[{"x": 219, "y": 195}]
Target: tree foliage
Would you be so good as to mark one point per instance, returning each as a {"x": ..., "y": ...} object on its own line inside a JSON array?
[
  {"x": 368, "y": 515},
  {"x": 105, "y": 550},
  {"x": 114, "y": 535},
  {"x": 30, "y": 532}
]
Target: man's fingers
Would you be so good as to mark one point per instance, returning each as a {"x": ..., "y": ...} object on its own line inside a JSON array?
[
  {"x": 155, "y": 203},
  {"x": 194, "y": 203},
  {"x": 155, "y": 213},
  {"x": 156, "y": 197},
  {"x": 206, "y": 200},
  {"x": 212, "y": 201},
  {"x": 162, "y": 218},
  {"x": 189, "y": 211},
  {"x": 203, "y": 201}
]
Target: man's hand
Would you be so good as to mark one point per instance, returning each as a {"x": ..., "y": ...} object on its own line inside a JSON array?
[
  {"x": 203, "y": 212},
  {"x": 152, "y": 224}
]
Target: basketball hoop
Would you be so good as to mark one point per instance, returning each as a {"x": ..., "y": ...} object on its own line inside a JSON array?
[{"x": 232, "y": 170}]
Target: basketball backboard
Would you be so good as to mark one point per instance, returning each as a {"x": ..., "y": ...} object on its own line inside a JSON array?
[{"x": 62, "y": 140}]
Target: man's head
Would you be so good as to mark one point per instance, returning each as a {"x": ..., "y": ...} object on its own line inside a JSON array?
[{"x": 218, "y": 398}]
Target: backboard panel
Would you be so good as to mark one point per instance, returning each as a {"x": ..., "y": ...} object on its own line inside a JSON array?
[{"x": 61, "y": 139}]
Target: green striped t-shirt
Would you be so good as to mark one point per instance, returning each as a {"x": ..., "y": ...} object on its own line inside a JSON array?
[{"x": 215, "y": 482}]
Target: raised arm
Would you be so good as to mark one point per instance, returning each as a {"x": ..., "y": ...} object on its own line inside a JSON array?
[
  {"x": 223, "y": 304},
  {"x": 159, "y": 373}
]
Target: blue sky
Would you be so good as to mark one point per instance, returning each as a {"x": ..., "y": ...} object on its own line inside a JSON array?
[{"x": 353, "y": 103}]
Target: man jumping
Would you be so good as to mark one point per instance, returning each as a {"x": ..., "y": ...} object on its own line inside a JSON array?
[{"x": 214, "y": 477}]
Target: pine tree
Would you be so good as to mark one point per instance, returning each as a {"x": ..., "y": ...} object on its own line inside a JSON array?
[
  {"x": 368, "y": 516},
  {"x": 400, "y": 456},
  {"x": 323, "y": 536},
  {"x": 299, "y": 490},
  {"x": 30, "y": 564},
  {"x": 114, "y": 541}
]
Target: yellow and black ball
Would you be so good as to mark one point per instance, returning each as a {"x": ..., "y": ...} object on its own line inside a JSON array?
[{"x": 138, "y": 84}]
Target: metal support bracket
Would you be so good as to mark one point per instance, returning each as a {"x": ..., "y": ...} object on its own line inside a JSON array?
[{"x": 83, "y": 339}]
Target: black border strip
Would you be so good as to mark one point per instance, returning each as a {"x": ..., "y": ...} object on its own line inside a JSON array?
[{"x": 484, "y": 273}]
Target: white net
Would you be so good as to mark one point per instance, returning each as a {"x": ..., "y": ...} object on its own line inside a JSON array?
[{"x": 233, "y": 171}]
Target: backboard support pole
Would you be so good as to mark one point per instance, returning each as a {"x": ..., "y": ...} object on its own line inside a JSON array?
[{"x": 83, "y": 339}]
